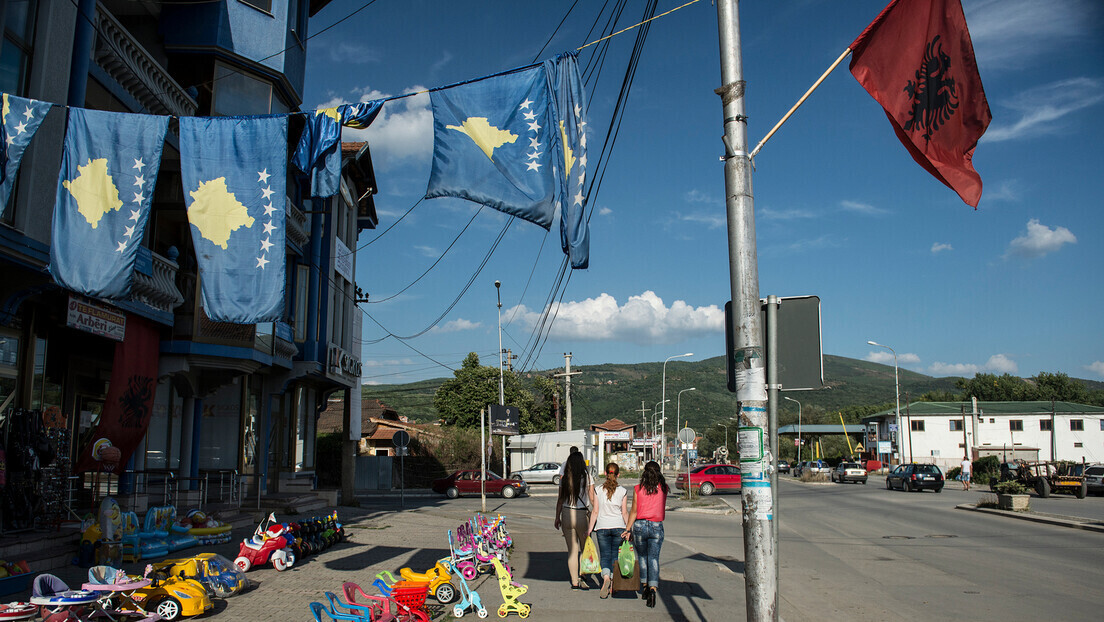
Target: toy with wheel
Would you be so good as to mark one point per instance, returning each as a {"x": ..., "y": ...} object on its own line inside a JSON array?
[
  {"x": 268, "y": 544},
  {"x": 510, "y": 592},
  {"x": 462, "y": 559},
  {"x": 469, "y": 599},
  {"x": 438, "y": 578}
]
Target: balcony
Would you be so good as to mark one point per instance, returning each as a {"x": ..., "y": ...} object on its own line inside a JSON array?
[
  {"x": 154, "y": 282},
  {"x": 297, "y": 230},
  {"x": 128, "y": 63}
]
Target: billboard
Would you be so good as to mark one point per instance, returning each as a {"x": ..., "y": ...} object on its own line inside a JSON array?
[{"x": 505, "y": 419}]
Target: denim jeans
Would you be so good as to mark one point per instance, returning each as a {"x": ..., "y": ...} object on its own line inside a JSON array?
[
  {"x": 609, "y": 541},
  {"x": 648, "y": 539}
]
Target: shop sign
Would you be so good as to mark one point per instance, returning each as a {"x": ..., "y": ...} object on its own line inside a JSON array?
[
  {"x": 343, "y": 261},
  {"x": 620, "y": 435},
  {"x": 96, "y": 319},
  {"x": 505, "y": 419},
  {"x": 645, "y": 442},
  {"x": 343, "y": 364}
]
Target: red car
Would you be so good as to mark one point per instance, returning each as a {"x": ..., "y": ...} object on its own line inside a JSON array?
[
  {"x": 712, "y": 477},
  {"x": 468, "y": 482}
]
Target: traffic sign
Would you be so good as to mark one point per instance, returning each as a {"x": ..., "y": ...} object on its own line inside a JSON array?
[
  {"x": 687, "y": 435},
  {"x": 400, "y": 439}
]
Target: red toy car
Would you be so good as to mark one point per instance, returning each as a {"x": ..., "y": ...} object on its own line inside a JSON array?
[
  {"x": 267, "y": 544},
  {"x": 467, "y": 481}
]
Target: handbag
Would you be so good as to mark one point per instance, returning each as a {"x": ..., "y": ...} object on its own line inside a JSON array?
[
  {"x": 626, "y": 559},
  {"x": 588, "y": 561}
]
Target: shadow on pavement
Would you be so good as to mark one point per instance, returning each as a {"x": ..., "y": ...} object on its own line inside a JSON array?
[{"x": 734, "y": 565}]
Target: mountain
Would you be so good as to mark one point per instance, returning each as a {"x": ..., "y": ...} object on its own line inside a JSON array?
[{"x": 611, "y": 390}]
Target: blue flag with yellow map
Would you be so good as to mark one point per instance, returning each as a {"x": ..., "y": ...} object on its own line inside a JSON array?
[
  {"x": 21, "y": 118},
  {"x": 493, "y": 143},
  {"x": 319, "y": 154},
  {"x": 234, "y": 173},
  {"x": 105, "y": 186},
  {"x": 570, "y": 104}
]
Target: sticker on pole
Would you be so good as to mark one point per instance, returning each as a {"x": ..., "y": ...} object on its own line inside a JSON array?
[
  {"x": 750, "y": 444},
  {"x": 758, "y": 501}
]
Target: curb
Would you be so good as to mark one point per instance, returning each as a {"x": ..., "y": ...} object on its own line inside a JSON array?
[{"x": 1048, "y": 519}]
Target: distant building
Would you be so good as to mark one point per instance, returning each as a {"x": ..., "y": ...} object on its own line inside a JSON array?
[
  {"x": 378, "y": 425},
  {"x": 619, "y": 435}
]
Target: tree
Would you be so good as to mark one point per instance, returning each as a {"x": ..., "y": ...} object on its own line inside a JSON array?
[
  {"x": 992, "y": 388},
  {"x": 474, "y": 387},
  {"x": 1059, "y": 387},
  {"x": 542, "y": 417}
]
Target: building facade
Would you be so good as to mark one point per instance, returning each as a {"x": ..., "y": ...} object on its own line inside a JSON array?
[{"x": 235, "y": 402}]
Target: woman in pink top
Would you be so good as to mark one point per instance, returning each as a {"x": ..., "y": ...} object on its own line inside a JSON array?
[{"x": 646, "y": 527}]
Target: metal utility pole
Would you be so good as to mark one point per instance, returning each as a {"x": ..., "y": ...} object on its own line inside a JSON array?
[
  {"x": 760, "y": 570},
  {"x": 567, "y": 387}
]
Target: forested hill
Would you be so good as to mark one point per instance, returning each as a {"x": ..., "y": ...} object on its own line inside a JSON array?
[{"x": 611, "y": 390}]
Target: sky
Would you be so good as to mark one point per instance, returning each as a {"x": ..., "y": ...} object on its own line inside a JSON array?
[{"x": 841, "y": 210}]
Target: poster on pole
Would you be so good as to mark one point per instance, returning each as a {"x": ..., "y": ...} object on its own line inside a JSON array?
[{"x": 505, "y": 419}]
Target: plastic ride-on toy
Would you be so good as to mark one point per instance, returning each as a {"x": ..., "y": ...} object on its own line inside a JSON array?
[
  {"x": 210, "y": 569},
  {"x": 438, "y": 578},
  {"x": 510, "y": 592}
]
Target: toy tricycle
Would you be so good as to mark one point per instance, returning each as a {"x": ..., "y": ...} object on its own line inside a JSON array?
[
  {"x": 438, "y": 578},
  {"x": 266, "y": 545}
]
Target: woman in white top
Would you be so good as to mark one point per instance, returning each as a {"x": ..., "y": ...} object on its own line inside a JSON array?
[
  {"x": 572, "y": 513},
  {"x": 608, "y": 522}
]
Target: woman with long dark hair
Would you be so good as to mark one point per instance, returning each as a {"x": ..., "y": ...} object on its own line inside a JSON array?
[
  {"x": 645, "y": 524},
  {"x": 572, "y": 513},
  {"x": 608, "y": 521}
]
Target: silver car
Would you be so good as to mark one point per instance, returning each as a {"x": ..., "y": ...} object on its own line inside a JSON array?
[
  {"x": 1094, "y": 475},
  {"x": 547, "y": 472}
]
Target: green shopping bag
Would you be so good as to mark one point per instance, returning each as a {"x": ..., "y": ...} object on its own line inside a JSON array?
[
  {"x": 589, "y": 563},
  {"x": 626, "y": 559}
]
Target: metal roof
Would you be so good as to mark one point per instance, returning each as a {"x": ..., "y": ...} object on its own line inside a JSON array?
[
  {"x": 951, "y": 409},
  {"x": 819, "y": 428}
]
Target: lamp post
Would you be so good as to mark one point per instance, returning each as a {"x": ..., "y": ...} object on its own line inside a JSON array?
[
  {"x": 798, "y": 425},
  {"x": 678, "y": 416},
  {"x": 659, "y": 417},
  {"x": 726, "y": 435},
  {"x": 664, "y": 396},
  {"x": 897, "y": 393},
  {"x": 501, "y": 386}
]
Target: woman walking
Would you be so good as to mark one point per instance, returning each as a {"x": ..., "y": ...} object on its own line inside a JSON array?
[
  {"x": 608, "y": 523},
  {"x": 572, "y": 515},
  {"x": 646, "y": 526}
]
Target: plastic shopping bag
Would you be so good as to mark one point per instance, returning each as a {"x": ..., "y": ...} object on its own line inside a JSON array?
[
  {"x": 626, "y": 559},
  {"x": 588, "y": 561}
]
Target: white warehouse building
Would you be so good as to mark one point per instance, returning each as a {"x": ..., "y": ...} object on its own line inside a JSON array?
[{"x": 942, "y": 432}]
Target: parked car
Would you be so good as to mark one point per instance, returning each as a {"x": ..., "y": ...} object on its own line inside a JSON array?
[
  {"x": 467, "y": 482},
  {"x": 783, "y": 466},
  {"x": 849, "y": 472},
  {"x": 910, "y": 477},
  {"x": 545, "y": 472},
  {"x": 711, "y": 477},
  {"x": 813, "y": 467},
  {"x": 1094, "y": 477}
]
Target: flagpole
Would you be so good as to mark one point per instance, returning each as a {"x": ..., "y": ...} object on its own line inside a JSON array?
[
  {"x": 812, "y": 88},
  {"x": 760, "y": 570}
]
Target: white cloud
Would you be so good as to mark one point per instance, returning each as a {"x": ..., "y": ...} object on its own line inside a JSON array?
[
  {"x": 604, "y": 211},
  {"x": 939, "y": 247},
  {"x": 643, "y": 319},
  {"x": 388, "y": 362},
  {"x": 428, "y": 251},
  {"x": 457, "y": 325},
  {"x": 345, "y": 53},
  {"x": 1008, "y": 33},
  {"x": 886, "y": 358},
  {"x": 403, "y": 131},
  {"x": 697, "y": 196},
  {"x": 862, "y": 208},
  {"x": 1040, "y": 110},
  {"x": 711, "y": 220},
  {"x": 1097, "y": 368},
  {"x": 1039, "y": 240},
  {"x": 785, "y": 214},
  {"x": 997, "y": 364}
]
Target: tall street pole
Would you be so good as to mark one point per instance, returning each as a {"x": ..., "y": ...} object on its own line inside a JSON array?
[
  {"x": 663, "y": 421},
  {"x": 678, "y": 421},
  {"x": 896, "y": 397},
  {"x": 501, "y": 385},
  {"x": 760, "y": 570}
]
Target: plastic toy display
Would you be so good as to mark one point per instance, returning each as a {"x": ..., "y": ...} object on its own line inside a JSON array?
[
  {"x": 469, "y": 598},
  {"x": 267, "y": 544},
  {"x": 205, "y": 529},
  {"x": 18, "y": 611},
  {"x": 510, "y": 593},
  {"x": 217, "y": 573},
  {"x": 438, "y": 578},
  {"x": 169, "y": 597}
]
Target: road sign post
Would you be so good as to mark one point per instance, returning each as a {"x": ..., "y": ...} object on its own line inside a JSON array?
[
  {"x": 687, "y": 436},
  {"x": 401, "y": 440}
]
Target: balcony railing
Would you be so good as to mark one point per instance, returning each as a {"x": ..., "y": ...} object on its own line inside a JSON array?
[
  {"x": 125, "y": 60},
  {"x": 155, "y": 282},
  {"x": 297, "y": 232}
]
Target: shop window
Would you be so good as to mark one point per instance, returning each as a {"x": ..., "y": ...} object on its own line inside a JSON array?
[
  {"x": 1077, "y": 425},
  {"x": 1015, "y": 425},
  {"x": 220, "y": 428},
  {"x": 163, "y": 435},
  {"x": 45, "y": 382},
  {"x": 9, "y": 365},
  {"x": 917, "y": 425},
  {"x": 237, "y": 93},
  {"x": 956, "y": 425},
  {"x": 15, "y": 56},
  {"x": 1045, "y": 425}
]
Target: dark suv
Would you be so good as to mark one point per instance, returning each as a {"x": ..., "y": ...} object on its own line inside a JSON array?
[{"x": 909, "y": 477}]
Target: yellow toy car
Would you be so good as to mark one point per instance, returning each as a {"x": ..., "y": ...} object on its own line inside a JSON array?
[
  {"x": 216, "y": 572},
  {"x": 438, "y": 578},
  {"x": 173, "y": 597}
]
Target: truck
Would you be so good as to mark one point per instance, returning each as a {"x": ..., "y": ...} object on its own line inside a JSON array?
[{"x": 1044, "y": 477}]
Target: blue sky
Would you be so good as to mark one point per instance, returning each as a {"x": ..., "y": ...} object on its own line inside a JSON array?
[{"x": 842, "y": 211}]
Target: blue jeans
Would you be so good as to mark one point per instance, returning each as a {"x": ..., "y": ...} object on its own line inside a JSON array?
[
  {"x": 609, "y": 540},
  {"x": 648, "y": 539}
]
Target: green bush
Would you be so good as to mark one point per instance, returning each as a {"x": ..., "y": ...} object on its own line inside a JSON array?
[
  {"x": 954, "y": 472},
  {"x": 1010, "y": 487}
]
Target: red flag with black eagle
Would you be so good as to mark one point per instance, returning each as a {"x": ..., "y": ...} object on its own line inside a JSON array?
[{"x": 916, "y": 59}]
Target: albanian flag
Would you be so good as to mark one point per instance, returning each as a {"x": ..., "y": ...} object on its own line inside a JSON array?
[{"x": 916, "y": 59}]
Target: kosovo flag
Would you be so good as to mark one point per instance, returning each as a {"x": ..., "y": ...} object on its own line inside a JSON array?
[
  {"x": 493, "y": 142},
  {"x": 570, "y": 104},
  {"x": 21, "y": 120},
  {"x": 319, "y": 153},
  {"x": 105, "y": 187},
  {"x": 234, "y": 172}
]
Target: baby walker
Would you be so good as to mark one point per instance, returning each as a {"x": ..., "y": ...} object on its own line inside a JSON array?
[{"x": 468, "y": 598}]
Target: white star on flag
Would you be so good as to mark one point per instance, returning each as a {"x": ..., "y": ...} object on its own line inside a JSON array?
[
  {"x": 22, "y": 127},
  {"x": 261, "y": 262},
  {"x": 533, "y": 166},
  {"x": 534, "y": 127},
  {"x": 134, "y": 214},
  {"x": 129, "y": 231},
  {"x": 138, "y": 198},
  {"x": 267, "y": 192},
  {"x": 265, "y": 245},
  {"x": 268, "y": 209},
  {"x": 534, "y": 143},
  {"x": 579, "y": 198},
  {"x": 535, "y": 154},
  {"x": 11, "y": 140},
  {"x": 525, "y": 104},
  {"x": 139, "y": 181},
  {"x": 529, "y": 116},
  {"x": 122, "y": 247},
  {"x": 138, "y": 164},
  {"x": 28, "y": 114},
  {"x": 578, "y": 111},
  {"x": 262, "y": 176},
  {"x": 269, "y": 228}
]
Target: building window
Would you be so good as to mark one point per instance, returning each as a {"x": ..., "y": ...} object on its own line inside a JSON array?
[
  {"x": 1077, "y": 425},
  {"x": 1078, "y": 444},
  {"x": 15, "y": 55},
  {"x": 1045, "y": 425},
  {"x": 992, "y": 420},
  {"x": 238, "y": 93},
  {"x": 1015, "y": 425},
  {"x": 302, "y": 280},
  {"x": 956, "y": 425},
  {"x": 264, "y": 5},
  {"x": 1102, "y": 425},
  {"x": 917, "y": 425}
]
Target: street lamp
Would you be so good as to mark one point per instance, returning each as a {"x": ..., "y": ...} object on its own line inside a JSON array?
[
  {"x": 897, "y": 396},
  {"x": 501, "y": 386},
  {"x": 798, "y": 425},
  {"x": 664, "y": 396},
  {"x": 678, "y": 416},
  {"x": 656, "y": 413}
]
